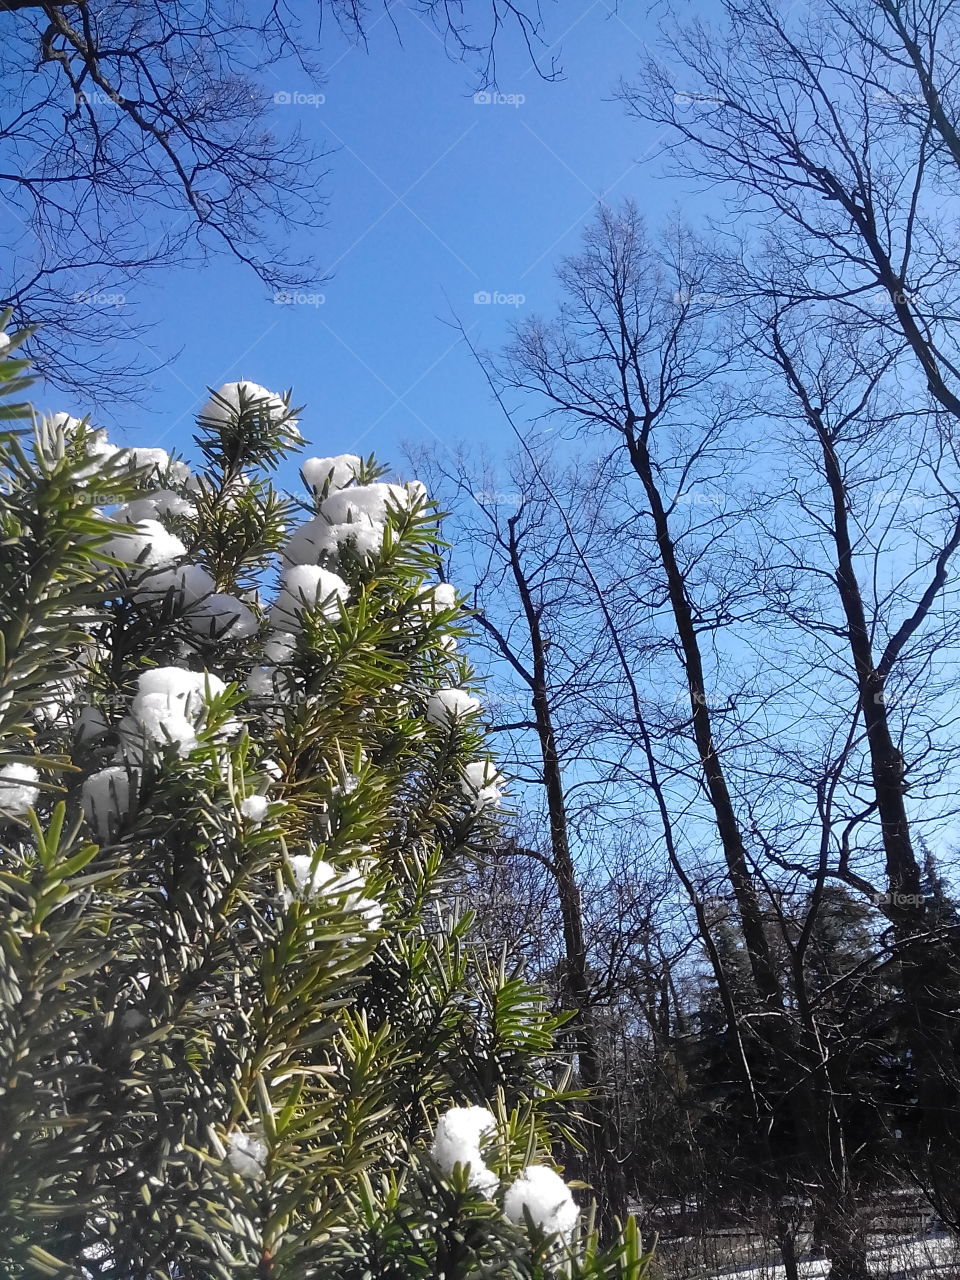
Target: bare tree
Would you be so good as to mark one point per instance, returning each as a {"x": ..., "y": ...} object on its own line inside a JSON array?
[
  {"x": 138, "y": 136},
  {"x": 540, "y": 629},
  {"x": 838, "y": 127},
  {"x": 631, "y": 353}
]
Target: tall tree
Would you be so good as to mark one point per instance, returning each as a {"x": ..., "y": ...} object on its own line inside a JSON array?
[
  {"x": 527, "y": 601},
  {"x": 632, "y": 353}
]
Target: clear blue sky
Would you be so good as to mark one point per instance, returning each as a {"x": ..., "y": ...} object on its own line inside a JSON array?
[{"x": 433, "y": 198}]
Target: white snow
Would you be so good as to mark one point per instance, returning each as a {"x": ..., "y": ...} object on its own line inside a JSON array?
[
  {"x": 262, "y": 682},
  {"x": 58, "y": 697},
  {"x": 457, "y": 1139},
  {"x": 138, "y": 459},
  {"x": 483, "y": 784},
  {"x": 546, "y": 1197},
  {"x": 304, "y": 587},
  {"x": 190, "y": 688},
  {"x": 246, "y": 1155},
  {"x": 96, "y": 445},
  {"x": 280, "y": 647},
  {"x": 147, "y": 544},
  {"x": 310, "y": 542},
  {"x": 254, "y": 809},
  {"x": 447, "y": 706},
  {"x": 220, "y": 615},
  {"x": 189, "y": 581},
  {"x": 162, "y": 502},
  {"x": 321, "y": 879},
  {"x": 90, "y": 724},
  {"x": 106, "y": 797},
  {"x": 18, "y": 791},
  {"x": 364, "y": 502},
  {"x": 340, "y": 470},
  {"x": 318, "y": 538},
  {"x": 180, "y": 473},
  {"x": 309, "y": 877},
  {"x": 168, "y": 707},
  {"x": 442, "y": 596},
  {"x": 904, "y": 1255},
  {"x": 155, "y": 725},
  {"x": 68, "y": 424},
  {"x": 224, "y": 405}
]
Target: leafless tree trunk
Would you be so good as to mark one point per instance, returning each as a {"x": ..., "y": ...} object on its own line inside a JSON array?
[{"x": 626, "y": 357}]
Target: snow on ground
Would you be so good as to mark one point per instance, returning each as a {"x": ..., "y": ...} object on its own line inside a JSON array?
[{"x": 891, "y": 1258}]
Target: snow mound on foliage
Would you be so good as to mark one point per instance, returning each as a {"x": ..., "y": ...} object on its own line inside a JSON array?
[
  {"x": 546, "y": 1197},
  {"x": 318, "y": 538},
  {"x": 168, "y": 708},
  {"x": 189, "y": 582},
  {"x": 18, "y": 791},
  {"x": 147, "y": 544},
  {"x": 304, "y": 587},
  {"x": 246, "y": 1155},
  {"x": 448, "y": 706},
  {"x": 222, "y": 616},
  {"x": 321, "y": 879},
  {"x": 369, "y": 502},
  {"x": 254, "y": 809},
  {"x": 224, "y": 405},
  {"x": 162, "y": 502},
  {"x": 340, "y": 471},
  {"x": 457, "y": 1139},
  {"x": 106, "y": 798},
  {"x": 482, "y": 784}
]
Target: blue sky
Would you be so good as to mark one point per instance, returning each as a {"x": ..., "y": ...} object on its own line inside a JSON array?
[{"x": 433, "y": 197}]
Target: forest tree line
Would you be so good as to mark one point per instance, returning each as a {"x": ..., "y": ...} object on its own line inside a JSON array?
[{"x": 716, "y": 586}]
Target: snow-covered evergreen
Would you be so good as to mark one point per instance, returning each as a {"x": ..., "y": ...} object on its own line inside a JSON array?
[{"x": 243, "y": 1028}]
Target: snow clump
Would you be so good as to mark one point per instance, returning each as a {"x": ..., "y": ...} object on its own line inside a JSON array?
[
  {"x": 340, "y": 471},
  {"x": 147, "y": 544},
  {"x": 246, "y": 1155},
  {"x": 482, "y": 784},
  {"x": 18, "y": 791},
  {"x": 456, "y": 1140},
  {"x": 303, "y": 587},
  {"x": 169, "y": 706},
  {"x": 320, "y": 879},
  {"x": 107, "y": 796},
  {"x": 224, "y": 405},
  {"x": 447, "y": 706},
  {"x": 546, "y": 1197}
]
